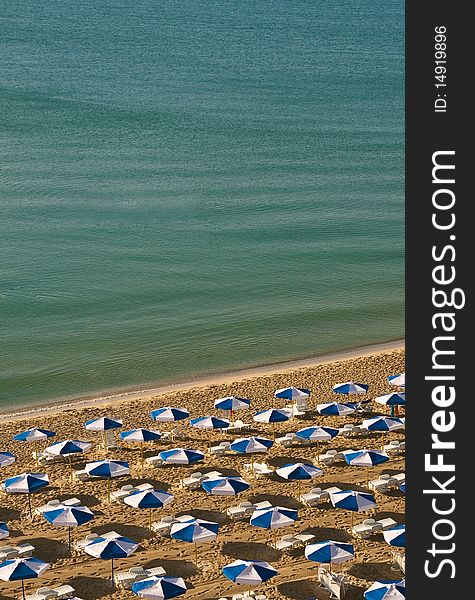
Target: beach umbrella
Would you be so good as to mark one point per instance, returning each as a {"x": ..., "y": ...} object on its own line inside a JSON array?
[
  {"x": 181, "y": 456},
  {"x": 249, "y": 572},
  {"x": 317, "y": 434},
  {"x": 140, "y": 436},
  {"x": 273, "y": 415},
  {"x": 68, "y": 448},
  {"x": 350, "y": 388},
  {"x": 107, "y": 469},
  {"x": 4, "y": 531},
  {"x": 232, "y": 403},
  {"x": 7, "y": 459},
  {"x": 396, "y": 536},
  {"x": 330, "y": 552},
  {"x": 273, "y": 518},
  {"x": 19, "y": 569},
  {"x": 209, "y": 423},
  {"x": 34, "y": 435},
  {"x": 251, "y": 445},
  {"x": 386, "y": 590},
  {"x": 149, "y": 499},
  {"x": 167, "y": 414},
  {"x": 160, "y": 588},
  {"x": 398, "y": 380},
  {"x": 402, "y": 487},
  {"x": 365, "y": 458},
  {"x": 68, "y": 516},
  {"x": 103, "y": 424},
  {"x": 111, "y": 549},
  {"x": 393, "y": 399},
  {"x": 196, "y": 531},
  {"x": 336, "y": 409},
  {"x": 292, "y": 393},
  {"x": 26, "y": 483},
  {"x": 225, "y": 486},
  {"x": 353, "y": 501},
  {"x": 299, "y": 472},
  {"x": 383, "y": 424}
]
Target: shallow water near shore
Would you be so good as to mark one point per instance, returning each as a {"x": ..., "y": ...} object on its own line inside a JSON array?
[{"x": 191, "y": 188}]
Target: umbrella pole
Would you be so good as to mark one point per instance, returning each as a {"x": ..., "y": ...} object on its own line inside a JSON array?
[
  {"x": 318, "y": 452},
  {"x": 298, "y": 489},
  {"x": 273, "y": 431},
  {"x": 29, "y": 506},
  {"x": 231, "y": 416},
  {"x": 141, "y": 454},
  {"x": 150, "y": 519},
  {"x": 104, "y": 441},
  {"x": 274, "y": 537},
  {"x": 196, "y": 556},
  {"x": 252, "y": 464},
  {"x": 23, "y": 589},
  {"x": 108, "y": 489},
  {"x": 112, "y": 572}
]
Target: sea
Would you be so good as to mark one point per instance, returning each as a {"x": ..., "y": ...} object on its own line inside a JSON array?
[{"x": 192, "y": 187}]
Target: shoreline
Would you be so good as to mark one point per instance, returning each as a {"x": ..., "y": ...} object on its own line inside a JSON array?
[{"x": 58, "y": 407}]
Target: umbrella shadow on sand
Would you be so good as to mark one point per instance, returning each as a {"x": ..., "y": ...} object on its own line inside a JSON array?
[
  {"x": 373, "y": 571},
  {"x": 328, "y": 533},
  {"x": 277, "y": 500},
  {"x": 157, "y": 485},
  {"x": 85, "y": 499},
  {"x": 206, "y": 515},
  {"x": 48, "y": 549},
  {"x": 133, "y": 532},
  {"x": 9, "y": 514},
  {"x": 302, "y": 588},
  {"x": 250, "y": 551},
  {"x": 345, "y": 485},
  {"x": 174, "y": 568},
  {"x": 91, "y": 588}
]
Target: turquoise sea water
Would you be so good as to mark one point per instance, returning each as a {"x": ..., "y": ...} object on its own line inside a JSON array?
[{"x": 192, "y": 187}]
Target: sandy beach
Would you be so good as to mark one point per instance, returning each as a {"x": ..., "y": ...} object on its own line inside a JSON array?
[{"x": 297, "y": 575}]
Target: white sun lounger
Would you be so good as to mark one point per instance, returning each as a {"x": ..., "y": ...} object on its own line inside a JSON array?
[
  {"x": 25, "y": 550},
  {"x": 386, "y": 523},
  {"x": 259, "y": 469},
  {"x": 287, "y": 440},
  {"x": 237, "y": 426},
  {"x": 155, "y": 461},
  {"x": 52, "y": 504},
  {"x": 335, "y": 584},
  {"x": 164, "y": 526},
  {"x": 241, "y": 511},
  {"x": 395, "y": 447},
  {"x": 80, "y": 544},
  {"x": 125, "y": 579},
  {"x": 46, "y": 593},
  {"x": 126, "y": 490},
  {"x": 399, "y": 560},
  {"x": 220, "y": 449}
]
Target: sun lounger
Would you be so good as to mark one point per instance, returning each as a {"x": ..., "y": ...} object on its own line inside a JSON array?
[
  {"x": 305, "y": 538},
  {"x": 366, "y": 528},
  {"x": 155, "y": 461},
  {"x": 263, "y": 504},
  {"x": 287, "y": 440},
  {"x": 122, "y": 493},
  {"x": 80, "y": 544},
  {"x": 21, "y": 551},
  {"x": 58, "y": 593},
  {"x": 164, "y": 526},
  {"x": 52, "y": 504},
  {"x": 399, "y": 560},
  {"x": 220, "y": 449},
  {"x": 125, "y": 579},
  {"x": 178, "y": 432},
  {"x": 237, "y": 426},
  {"x": 395, "y": 447},
  {"x": 193, "y": 482},
  {"x": 259, "y": 469},
  {"x": 241, "y": 511},
  {"x": 332, "y": 456},
  {"x": 287, "y": 542},
  {"x": 335, "y": 584},
  {"x": 386, "y": 523}
]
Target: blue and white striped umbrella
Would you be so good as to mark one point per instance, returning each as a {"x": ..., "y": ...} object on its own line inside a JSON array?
[
  {"x": 232, "y": 403},
  {"x": 398, "y": 380},
  {"x": 386, "y": 590},
  {"x": 330, "y": 552},
  {"x": 249, "y": 572},
  {"x": 167, "y": 414},
  {"x": 68, "y": 447},
  {"x": 7, "y": 459},
  {"x": 274, "y": 517},
  {"x": 273, "y": 415},
  {"x": 365, "y": 458},
  {"x": 350, "y": 388},
  {"x": 383, "y": 423},
  {"x": 33, "y": 435},
  {"x": 396, "y": 536},
  {"x": 353, "y": 500},
  {"x": 181, "y": 456},
  {"x": 195, "y": 531},
  {"x": 25, "y": 483},
  {"x": 299, "y": 471},
  {"x": 317, "y": 434},
  {"x": 336, "y": 409},
  {"x": 111, "y": 549},
  {"x": 402, "y": 487},
  {"x": 394, "y": 399},
  {"x": 292, "y": 393},
  {"x": 4, "y": 531},
  {"x": 251, "y": 445},
  {"x": 149, "y": 499},
  {"x": 103, "y": 424},
  {"x": 225, "y": 486},
  {"x": 19, "y": 569},
  {"x": 69, "y": 516},
  {"x": 139, "y": 435},
  {"x": 160, "y": 588},
  {"x": 209, "y": 423},
  {"x": 107, "y": 468}
]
